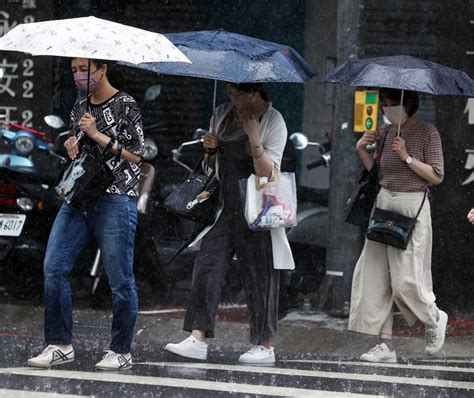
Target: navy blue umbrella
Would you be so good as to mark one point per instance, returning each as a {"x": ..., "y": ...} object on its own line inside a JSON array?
[
  {"x": 231, "y": 57},
  {"x": 405, "y": 73},
  {"x": 221, "y": 55}
]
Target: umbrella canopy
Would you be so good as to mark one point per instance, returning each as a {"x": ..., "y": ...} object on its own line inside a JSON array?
[
  {"x": 91, "y": 37},
  {"x": 231, "y": 57},
  {"x": 403, "y": 72}
]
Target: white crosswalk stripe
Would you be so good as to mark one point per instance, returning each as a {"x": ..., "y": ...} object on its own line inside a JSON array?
[
  {"x": 182, "y": 383},
  {"x": 290, "y": 377},
  {"x": 4, "y": 393},
  {"x": 330, "y": 375},
  {"x": 393, "y": 365}
]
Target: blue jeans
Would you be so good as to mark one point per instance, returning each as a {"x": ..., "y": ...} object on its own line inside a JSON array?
[{"x": 111, "y": 222}]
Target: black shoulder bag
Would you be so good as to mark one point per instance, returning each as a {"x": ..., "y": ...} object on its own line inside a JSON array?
[
  {"x": 392, "y": 228},
  {"x": 85, "y": 180},
  {"x": 361, "y": 202},
  {"x": 196, "y": 198}
]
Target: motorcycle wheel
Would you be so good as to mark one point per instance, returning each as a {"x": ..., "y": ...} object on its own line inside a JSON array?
[{"x": 24, "y": 271}]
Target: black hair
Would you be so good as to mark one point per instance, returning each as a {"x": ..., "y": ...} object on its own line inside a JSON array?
[
  {"x": 114, "y": 76},
  {"x": 410, "y": 99},
  {"x": 251, "y": 88}
]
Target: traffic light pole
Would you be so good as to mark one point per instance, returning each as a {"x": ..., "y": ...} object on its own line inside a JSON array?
[{"x": 344, "y": 243}]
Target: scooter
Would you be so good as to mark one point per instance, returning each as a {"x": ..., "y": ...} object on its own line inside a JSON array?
[{"x": 29, "y": 167}]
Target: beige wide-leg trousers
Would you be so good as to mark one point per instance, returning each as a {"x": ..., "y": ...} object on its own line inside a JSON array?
[{"x": 385, "y": 275}]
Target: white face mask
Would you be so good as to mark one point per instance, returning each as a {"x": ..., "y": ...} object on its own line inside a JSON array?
[{"x": 392, "y": 113}]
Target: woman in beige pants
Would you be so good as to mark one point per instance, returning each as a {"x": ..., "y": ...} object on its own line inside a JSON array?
[{"x": 410, "y": 159}]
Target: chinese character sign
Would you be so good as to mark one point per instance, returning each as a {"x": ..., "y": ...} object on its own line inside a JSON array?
[
  {"x": 469, "y": 166},
  {"x": 25, "y": 82}
]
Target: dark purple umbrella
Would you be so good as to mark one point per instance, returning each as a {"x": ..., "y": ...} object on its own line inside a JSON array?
[{"x": 403, "y": 72}]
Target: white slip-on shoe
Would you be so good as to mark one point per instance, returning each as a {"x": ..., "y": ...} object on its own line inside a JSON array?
[
  {"x": 115, "y": 361},
  {"x": 258, "y": 354},
  {"x": 435, "y": 336},
  {"x": 189, "y": 348},
  {"x": 53, "y": 355},
  {"x": 379, "y": 353}
]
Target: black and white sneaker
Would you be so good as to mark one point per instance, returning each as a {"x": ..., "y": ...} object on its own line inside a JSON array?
[
  {"x": 53, "y": 355},
  {"x": 114, "y": 361}
]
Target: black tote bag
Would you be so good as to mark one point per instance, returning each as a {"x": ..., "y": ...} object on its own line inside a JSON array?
[
  {"x": 361, "y": 202},
  {"x": 84, "y": 181}
]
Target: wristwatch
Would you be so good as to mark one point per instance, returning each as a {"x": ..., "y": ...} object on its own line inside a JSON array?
[{"x": 409, "y": 159}]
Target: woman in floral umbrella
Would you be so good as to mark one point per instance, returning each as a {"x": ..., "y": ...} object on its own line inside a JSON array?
[{"x": 112, "y": 124}]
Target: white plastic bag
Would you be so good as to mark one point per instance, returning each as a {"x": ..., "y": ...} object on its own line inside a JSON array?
[{"x": 271, "y": 204}]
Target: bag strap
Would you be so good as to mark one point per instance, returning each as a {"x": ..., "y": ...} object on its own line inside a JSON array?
[
  {"x": 426, "y": 190},
  {"x": 273, "y": 181},
  {"x": 188, "y": 240},
  {"x": 373, "y": 174},
  {"x": 422, "y": 203},
  {"x": 199, "y": 164}
]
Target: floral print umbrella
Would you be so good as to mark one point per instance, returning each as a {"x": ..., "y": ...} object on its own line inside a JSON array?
[{"x": 91, "y": 37}]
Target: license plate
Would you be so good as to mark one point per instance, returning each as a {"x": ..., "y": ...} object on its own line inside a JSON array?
[{"x": 11, "y": 224}]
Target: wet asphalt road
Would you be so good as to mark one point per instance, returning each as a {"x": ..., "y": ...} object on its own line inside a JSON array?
[{"x": 330, "y": 370}]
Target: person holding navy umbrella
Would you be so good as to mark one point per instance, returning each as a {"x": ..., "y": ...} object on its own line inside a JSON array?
[{"x": 250, "y": 139}]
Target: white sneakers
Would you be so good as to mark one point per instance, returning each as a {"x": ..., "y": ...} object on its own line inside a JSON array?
[
  {"x": 114, "y": 361},
  {"x": 53, "y": 355},
  {"x": 380, "y": 353},
  {"x": 435, "y": 336},
  {"x": 434, "y": 342},
  {"x": 195, "y": 349},
  {"x": 189, "y": 348},
  {"x": 258, "y": 354}
]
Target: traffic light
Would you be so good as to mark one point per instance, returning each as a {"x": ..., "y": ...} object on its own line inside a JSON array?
[{"x": 366, "y": 103}]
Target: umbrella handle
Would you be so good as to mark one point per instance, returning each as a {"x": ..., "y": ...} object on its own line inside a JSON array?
[
  {"x": 88, "y": 80},
  {"x": 214, "y": 132},
  {"x": 400, "y": 116}
]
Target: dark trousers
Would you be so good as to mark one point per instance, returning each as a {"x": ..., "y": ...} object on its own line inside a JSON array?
[{"x": 261, "y": 282}]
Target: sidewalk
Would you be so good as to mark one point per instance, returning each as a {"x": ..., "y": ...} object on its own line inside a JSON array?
[{"x": 299, "y": 332}]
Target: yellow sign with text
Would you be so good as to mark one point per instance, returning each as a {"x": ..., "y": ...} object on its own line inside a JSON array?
[{"x": 366, "y": 105}]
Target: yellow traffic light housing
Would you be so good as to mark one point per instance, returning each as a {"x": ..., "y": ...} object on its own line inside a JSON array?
[{"x": 366, "y": 104}]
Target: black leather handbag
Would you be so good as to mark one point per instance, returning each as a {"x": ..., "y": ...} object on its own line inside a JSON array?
[
  {"x": 84, "y": 181},
  {"x": 196, "y": 198},
  {"x": 360, "y": 204},
  {"x": 392, "y": 228}
]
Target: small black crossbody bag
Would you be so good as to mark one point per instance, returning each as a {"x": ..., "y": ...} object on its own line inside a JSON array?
[{"x": 392, "y": 228}]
